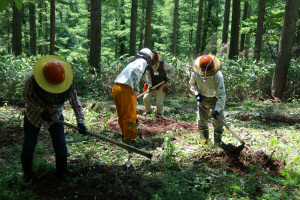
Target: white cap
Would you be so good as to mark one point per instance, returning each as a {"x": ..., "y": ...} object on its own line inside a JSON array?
[{"x": 147, "y": 51}]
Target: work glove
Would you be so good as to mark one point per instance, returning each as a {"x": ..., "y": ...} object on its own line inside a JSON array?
[
  {"x": 166, "y": 80},
  {"x": 215, "y": 114},
  {"x": 136, "y": 96},
  {"x": 46, "y": 116},
  {"x": 199, "y": 97},
  {"x": 82, "y": 128}
]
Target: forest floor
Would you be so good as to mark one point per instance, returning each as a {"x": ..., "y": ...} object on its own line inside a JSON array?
[{"x": 107, "y": 176}]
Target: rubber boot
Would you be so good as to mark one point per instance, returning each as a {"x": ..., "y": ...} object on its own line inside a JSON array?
[
  {"x": 204, "y": 135},
  {"x": 217, "y": 138},
  {"x": 61, "y": 169},
  {"x": 27, "y": 169}
]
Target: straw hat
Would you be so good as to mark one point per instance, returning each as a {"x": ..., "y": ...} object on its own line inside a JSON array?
[
  {"x": 53, "y": 74},
  {"x": 206, "y": 65}
]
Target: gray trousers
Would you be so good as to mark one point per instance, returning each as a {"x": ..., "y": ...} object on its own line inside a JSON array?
[
  {"x": 204, "y": 112},
  {"x": 159, "y": 100}
]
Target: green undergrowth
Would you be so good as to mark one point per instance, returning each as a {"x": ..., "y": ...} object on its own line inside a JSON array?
[{"x": 176, "y": 164}]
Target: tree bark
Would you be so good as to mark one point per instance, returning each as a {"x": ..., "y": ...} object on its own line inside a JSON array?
[
  {"x": 52, "y": 27},
  {"x": 17, "y": 31},
  {"x": 206, "y": 24},
  {"x": 259, "y": 29},
  {"x": 199, "y": 24},
  {"x": 235, "y": 27},
  {"x": 245, "y": 16},
  {"x": 122, "y": 40},
  {"x": 95, "y": 47},
  {"x": 32, "y": 23},
  {"x": 142, "y": 25},
  {"x": 226, "y": 22},
  {"x": 148, "y": 24},
  {"x": 175, "y": 27},
  {"x": 46, "y": 31},
  {"x": 285, "y": 46},
  {"x": 134, "y": 6},
  {"x": 40, "y": 29}
]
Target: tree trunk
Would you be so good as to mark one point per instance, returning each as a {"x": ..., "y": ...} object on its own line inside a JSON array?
[
  {"x": 175, "y": 27},
  {"x": 25, "y": 37},
  {"x": 206, "y": 24},
  {"x": 142, "y": 25},
  {"x": 199, "y": 24},
  {"x": 95, "y": 48},
  {"x": 148, "y": 24},
  {"x": 40, "y": 29},
  {"x": 32, "y": 23},
  {"x": 17, "y": 31},
  {"x": 191, "y": 30},
  {"x": 52, "y": 27},
  {"x": 134, "y": 6},
  {"x": 122, "y": 40},
  {"x": 285, "y": 47},
  {"x": 235, "y": 27},
  {"x": 259, "y": 29},
  {"x": 243, "y": 36},
  {"x": 46, "y": 31},
  {"x": 226, "y": 22}
]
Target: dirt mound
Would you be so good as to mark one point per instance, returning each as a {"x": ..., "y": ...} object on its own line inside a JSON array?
[
  {"x": 247, "y": 162},
  {"x": 150, "y": 127},
  {"x": 10, "y": 135}
]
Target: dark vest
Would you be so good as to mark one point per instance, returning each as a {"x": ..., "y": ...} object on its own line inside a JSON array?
[{"x": 161, "y": 76}]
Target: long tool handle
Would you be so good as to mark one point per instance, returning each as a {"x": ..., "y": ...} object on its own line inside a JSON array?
[
  {"x": 230, "y": 130},
  {"x": 151, "y": 88},
  {"x": 122, "y": 145}
]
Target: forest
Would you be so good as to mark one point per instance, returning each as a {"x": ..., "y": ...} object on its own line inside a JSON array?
[{"x": 258, "y": 44}]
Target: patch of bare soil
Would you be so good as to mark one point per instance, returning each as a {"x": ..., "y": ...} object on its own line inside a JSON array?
[
  {"x": 245, "y": 162},
  {"x": 150, "y": 127},
  {"x": 107, "y": 182},
  {"x": 10, "y": 135}
]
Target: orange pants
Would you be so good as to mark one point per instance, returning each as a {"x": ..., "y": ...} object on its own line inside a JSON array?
[{"x": 125, "y": 101}]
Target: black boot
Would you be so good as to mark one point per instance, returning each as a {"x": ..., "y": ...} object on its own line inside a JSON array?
[
  {"x": 61, "y": 169},
  {"x": 27, "y": 167},
  {"x": 204, "y": 135},
  {"x": 217, "y": 138}
]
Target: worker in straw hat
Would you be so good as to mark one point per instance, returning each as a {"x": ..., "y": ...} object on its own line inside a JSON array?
[
  {"x": 208, "y": 86},
  {"x": 160, "y": 71},
  {"x": 125, "y": 91},
  {"x": 46, "y": 89}
]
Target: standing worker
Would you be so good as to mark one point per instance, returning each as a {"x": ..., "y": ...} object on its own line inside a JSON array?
[
  {"x": 208, "y": 86},
  {"x": 160, "y": 71},
  {"x": 45, "y": 91},
  {"x": 124, "y": 91}
]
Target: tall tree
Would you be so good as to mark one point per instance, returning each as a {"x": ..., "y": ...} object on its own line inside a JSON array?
[
  {"x": 245, "y": 16},
  {"x": 142, "y": 25},
  {"x": 52, "y": 27},
  {"x": 32, "y": 23},
  {"x": 148, "y": 24},
  {"x": 206, "y": 25},
  {"x": 175, "y": 27},
  {"x": 122, "y": 39},
  {"x": 235, "y": 27},
  {"x": 95, "y": 47},
  {"x": 226, "y": 22},
  {"x": 259, "y": 29},
  {"x": 285, "y": 47},
  {"x": 17, "y": 31},
  {"x": 46, "y": 30},
  {"x": 199, "y": 25},
  {"x": 40, "y": 28},
  {"x": 134, "y": 6}
]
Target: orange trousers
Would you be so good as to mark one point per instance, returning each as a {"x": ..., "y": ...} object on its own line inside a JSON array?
[{"x": 125, "y": 101}]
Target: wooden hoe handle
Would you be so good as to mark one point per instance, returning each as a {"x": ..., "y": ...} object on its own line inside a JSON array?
[
  {"x": 230, "y": 130},
  {"x": 152, "y": 88},
  {"x": 122, "y": 145}
]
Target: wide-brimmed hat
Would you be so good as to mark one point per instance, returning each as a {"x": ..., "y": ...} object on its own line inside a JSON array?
[
  {"x": 53, "y": 74},
  {"x": 206, "y": 65}
]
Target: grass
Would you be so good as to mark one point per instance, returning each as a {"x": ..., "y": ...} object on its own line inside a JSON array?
[{"x": 176, "y": 165}]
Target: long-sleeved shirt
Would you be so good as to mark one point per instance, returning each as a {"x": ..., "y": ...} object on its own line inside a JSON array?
[
  {"x": 169, "y": 69},
  {"x": 131, "y": 74},
  {"x": 34, "y": 106},
  {"x": 211, "y": 86}
]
